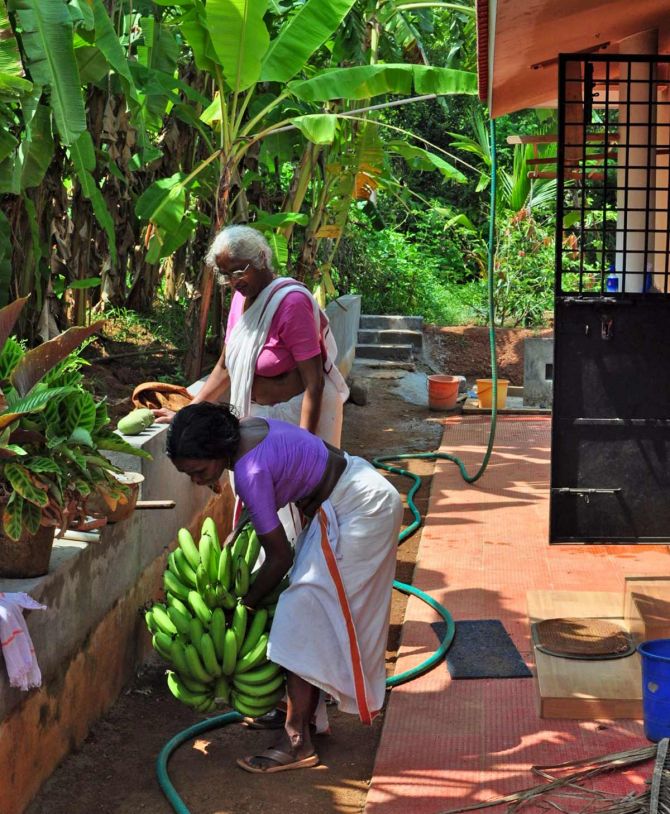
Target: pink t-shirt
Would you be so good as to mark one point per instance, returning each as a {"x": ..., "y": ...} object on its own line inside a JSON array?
[{"x": 292, "y": 337}]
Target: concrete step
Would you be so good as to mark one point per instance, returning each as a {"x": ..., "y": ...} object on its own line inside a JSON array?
[
  {"x": 363, "y": 367},
  {"x": 402, "y": 353},
  {"x": 395, "y": 323},
  {"x": 374, "y": 336}
]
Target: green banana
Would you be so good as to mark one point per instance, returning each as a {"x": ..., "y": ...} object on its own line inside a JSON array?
[
  {"x": 199, "y": 607},
  {"x": 241, "y": 704},
  {"x": 182, "y": 693},
  {"x": 265, "y": 701},
  {"x": 225, "y": 572},
  {"x": 179, "y": 620},
  {"x": 207, "y": 705},
  {"x": 254, "y": 657},
  {"x": 241, "y": 577},
  {"x": 172, "y": 565},
  {"x": 257, "y": 690},
  {"x": 161, "y": 618},
  {"x": 184, "y": 571},
  {"x": 224, "y": 598},
  {"x": 195, "y": 665},
  {"x": 178, "y": 654},
  {"x": 206, "y": 549},
  {"x": 239, "y": 623},
  {"x": 201, "y": 579},
  {"x": 254, "y": 632},
  {"x": 209, "y": 527},
  {"x": 260, "y": 675},
  {"x": 194, "y": 686},
  {"x": 196, "y": 629},
  {"x": 222, "y": 690},
  {"x": 229, "y": 653},
  {"x": 162, "y": 645},
  {"x": 241, "y": 543},
  {"x": 253, "y": 550},
  {"x": 210, "y": 597},
  {"x": 208, "y": 654},
  {"x": 151, "y": 622},
  {"x": 217, "y": 630},
  {"x": 188, "y": 547},
  {"x": 174, "y": 602},
  {"x": 175, "y": 586}
]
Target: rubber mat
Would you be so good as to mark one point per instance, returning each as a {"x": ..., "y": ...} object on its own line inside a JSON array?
[
  {"x": 482, "y": 648},
  {"x": 573, "y": 638}
]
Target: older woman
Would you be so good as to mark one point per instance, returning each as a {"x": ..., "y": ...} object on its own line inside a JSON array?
[
  {"x": 330, "y": 627},
  {"x": 278, "y": 357}
]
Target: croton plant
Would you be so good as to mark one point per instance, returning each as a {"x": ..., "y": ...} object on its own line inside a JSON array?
[{"x": 52, "y": 431}]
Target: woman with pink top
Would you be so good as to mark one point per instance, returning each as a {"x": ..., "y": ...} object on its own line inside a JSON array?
[
  {"x": 331, "y": 624},
  {"x": 278, "y": 359}
]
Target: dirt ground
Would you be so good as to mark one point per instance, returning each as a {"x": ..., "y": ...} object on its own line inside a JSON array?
[{"x": 113, "y": 772}]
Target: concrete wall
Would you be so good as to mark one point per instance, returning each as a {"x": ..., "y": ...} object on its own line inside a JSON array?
[
  {"x": 538, "y": 379},
  {"x": 344, "y": 314},
  {"x": 92, "y": 636}
]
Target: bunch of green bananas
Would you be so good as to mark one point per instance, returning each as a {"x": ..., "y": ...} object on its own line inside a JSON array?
[{"x": 218, "y": 648}]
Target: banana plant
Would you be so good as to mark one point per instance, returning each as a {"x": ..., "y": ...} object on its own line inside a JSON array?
[{"x": 260, "y": 91}]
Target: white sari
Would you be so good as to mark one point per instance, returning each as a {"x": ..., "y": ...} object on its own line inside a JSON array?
[{"x": 246, "y": 341}]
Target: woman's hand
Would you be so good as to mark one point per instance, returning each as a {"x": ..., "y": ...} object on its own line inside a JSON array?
[{"x": 163, "y": 415}]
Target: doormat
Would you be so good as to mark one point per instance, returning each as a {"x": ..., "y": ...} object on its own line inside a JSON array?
[
  {"x": 482, "y": 648},
  {"x": 573, "y": 638}
]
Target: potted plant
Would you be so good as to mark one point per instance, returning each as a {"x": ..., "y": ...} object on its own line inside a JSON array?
[{"x": 52, "y": 433}]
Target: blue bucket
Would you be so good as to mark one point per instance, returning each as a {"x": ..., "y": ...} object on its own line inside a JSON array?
[{"x": 656, "y": 688}]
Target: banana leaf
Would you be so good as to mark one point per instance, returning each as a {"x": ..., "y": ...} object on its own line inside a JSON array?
[
  {"x": 240, "y": 39},
  {"x": 367, "y": 81},
  {"x": 47, "y": 38},
  {"x": 304, "y": 33}
]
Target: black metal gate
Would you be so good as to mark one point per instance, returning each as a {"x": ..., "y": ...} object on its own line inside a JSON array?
[{"x": 610, "y": 470}]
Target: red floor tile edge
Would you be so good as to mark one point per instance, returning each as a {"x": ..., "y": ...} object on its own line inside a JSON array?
[{"x": 445, "y": 743}]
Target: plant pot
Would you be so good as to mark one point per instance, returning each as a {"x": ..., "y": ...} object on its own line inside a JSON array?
[
  {"x": 99, "y": 508},
  {"x": 485, "y": 393},
  {"x": 28, "y": 556},
  {"x": 442, "y": 392}
]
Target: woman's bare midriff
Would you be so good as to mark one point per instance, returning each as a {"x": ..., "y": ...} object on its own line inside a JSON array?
[{"x": 275, "y": 389}]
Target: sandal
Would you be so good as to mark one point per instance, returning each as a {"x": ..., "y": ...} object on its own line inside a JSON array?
[
  {"x": 284, "y": 761},
  {"x": 275, "y": 719}
]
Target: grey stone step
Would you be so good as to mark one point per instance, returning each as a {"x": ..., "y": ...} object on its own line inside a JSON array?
[
  {"x": 362, "y": 367},
  {"x": 371, "y": 336},
  {"x": 390, "y": 322},
  {"x": 401, "y": 353}
]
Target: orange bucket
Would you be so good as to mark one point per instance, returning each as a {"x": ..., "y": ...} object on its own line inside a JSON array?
[
  {"x": 442, "y": 392},
  {"x": 485, "y": 393}
]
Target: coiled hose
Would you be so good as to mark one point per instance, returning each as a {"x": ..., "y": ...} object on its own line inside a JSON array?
[{"x": 438, "y": 656}]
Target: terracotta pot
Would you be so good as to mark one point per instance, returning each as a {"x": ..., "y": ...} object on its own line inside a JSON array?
[
  {"x": 98, "y": 507},
  {"x": 28, "y": 556}
]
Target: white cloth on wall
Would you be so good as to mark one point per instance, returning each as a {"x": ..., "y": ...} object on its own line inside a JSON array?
[{"x": 15, "y": 642}]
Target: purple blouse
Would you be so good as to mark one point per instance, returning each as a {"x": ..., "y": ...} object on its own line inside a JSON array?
[{"x": 287, "y": 465}]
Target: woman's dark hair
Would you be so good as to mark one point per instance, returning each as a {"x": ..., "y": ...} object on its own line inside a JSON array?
[{"x": 204, "y": 430}]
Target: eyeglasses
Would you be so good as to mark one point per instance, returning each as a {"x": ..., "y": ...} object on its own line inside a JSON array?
[{"x": 226, "y": 279}]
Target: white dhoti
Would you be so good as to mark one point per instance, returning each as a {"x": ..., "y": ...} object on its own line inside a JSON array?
[{"x": 331, "y": 623}]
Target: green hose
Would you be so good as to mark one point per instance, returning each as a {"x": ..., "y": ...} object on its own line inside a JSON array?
[{"x": 438, "y": 656}]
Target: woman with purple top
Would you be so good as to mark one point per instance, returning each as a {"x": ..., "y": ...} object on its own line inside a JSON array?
[{"x": 331, "y": 624}]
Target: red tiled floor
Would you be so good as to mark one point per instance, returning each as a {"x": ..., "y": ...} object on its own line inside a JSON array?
[{"x": 445, "y": 743}]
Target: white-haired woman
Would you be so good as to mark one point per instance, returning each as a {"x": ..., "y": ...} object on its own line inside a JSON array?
[{"x": 277, "y": 360}]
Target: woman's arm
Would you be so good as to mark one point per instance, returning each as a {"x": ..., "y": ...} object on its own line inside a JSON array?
[
  {"x": 214, "y": 389},
  {"x": 311, "y": 373},
  {"x": 278, "y": 560},
  {"x": 217, "y": 384}
]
